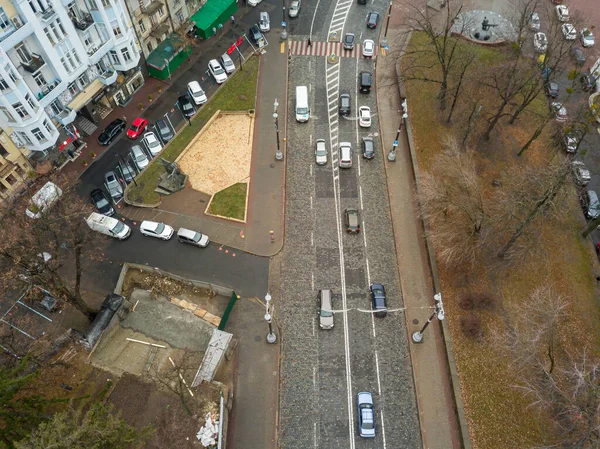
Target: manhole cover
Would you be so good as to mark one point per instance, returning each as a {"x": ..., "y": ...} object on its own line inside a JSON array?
[
  {"x": 272, "y": 165},
  {"x": 257, "y": 338},
  {"x": 415, "y": 321}
]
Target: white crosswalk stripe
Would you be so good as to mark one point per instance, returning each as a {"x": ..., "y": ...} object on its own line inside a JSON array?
[{"x": 301, "y": 48}]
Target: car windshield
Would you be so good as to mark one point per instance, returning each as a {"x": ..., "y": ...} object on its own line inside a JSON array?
[
  {"x": 378, "y": 292},
  {"x": 294, "y": 7},
  {"x": 118, "y": 228},
  {"x": 345, "y": 101},
  {"x": 140, "y": 157},
  {"x": 135, "y": 128},
  {"x": 101, "y": 202},
  {"x": 326, "y": 313},
  {"x": 302, "y": 110},
  {"x": 321, "y": 151},
  {"x": 218, "y": 70},
  {"x": 159, "y": 228}
]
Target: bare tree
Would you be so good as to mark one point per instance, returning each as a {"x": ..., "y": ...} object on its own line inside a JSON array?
[
  {"x": 52, "y": 251},
  {"x": 174, "y": 376},
  {"x": 452, "y": 205},
  {"x": 465, "y": 62}
]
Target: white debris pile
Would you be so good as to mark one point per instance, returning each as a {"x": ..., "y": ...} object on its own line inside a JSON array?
[{"x": 209, "y": 432}]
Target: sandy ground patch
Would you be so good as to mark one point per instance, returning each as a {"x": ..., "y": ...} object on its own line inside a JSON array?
[{"x": 221, "y": 155}]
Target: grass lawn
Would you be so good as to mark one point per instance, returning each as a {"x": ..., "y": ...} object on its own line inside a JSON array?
[
  {"x": 238, "y": 94},
  {"x": 497, "y": 414},
  {"x": 230, "y": 202}
]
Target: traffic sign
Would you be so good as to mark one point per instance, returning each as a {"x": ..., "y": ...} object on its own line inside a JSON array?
[{"x": 395, "y": 143}]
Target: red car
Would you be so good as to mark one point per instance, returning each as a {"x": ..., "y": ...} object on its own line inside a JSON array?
[{"x": 137, "y": 128}]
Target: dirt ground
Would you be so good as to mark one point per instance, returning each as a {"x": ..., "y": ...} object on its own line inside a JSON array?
[{"x": 221, "y": 156}]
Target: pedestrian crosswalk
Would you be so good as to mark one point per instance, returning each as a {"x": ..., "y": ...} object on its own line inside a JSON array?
[{"x": 301, "y": 48}]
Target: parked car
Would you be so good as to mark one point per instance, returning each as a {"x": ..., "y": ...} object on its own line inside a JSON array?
[
  {"x": 185, "y": 106},
  {"x": 345, "y": 103},
  {"x": 165, "y": 131},
  {"x": 586, "y": 37},
  {"x": 321, "y": 152},
  {"x": 590, "y": 203},
  {"x": 101, "y": 202},
  {"x": 562, "y": 13},
  {"x": 264, "y": 23},
  {"x": 349, "y": 40},
  {"x": 194, "y": 238},
  {"x": 552, "y": 89},
  {"x": 227, "y": 63},
  {"x": 196, "y": 93},
  {"x": 372, "y": 19},
  {"x": 345, "y": 155},
  {"x": 112, "y": 184},
  {"x": 111, "y": 132},
  {"x": 153, "y": 144},
  {"x": 540, "y": 43},
  {"x": 217, "y": 71},
  {"x": 364, "y": 116},
  {"x": 294, "y": 9},
  {"x": 588, "y": 81},
  {"x": 368, "y": 147},
  {"x": 365, "y": 80},
  {"x": 534, "y": 21},
  {"x": 570, "y": 142},
  {"x": 352, "y": 219},
  {"x": 578, "y": 56},
  {"x": 368, "y": 48},
  {"x": 138, "y": 126},
  {"x": 126, "y": 171},
  {"x": 560, "y": 111},
  {"x": 378, "y": 299},
  {"x": 581, "y": 173},
  {"x": 139, "y": 158},
  {"x": 157, "y": 230},
  {"x": 569, "y": 31},
  {"x": 366, "y": 415},
  {"x": 255, "y": 35},
  {"x": 325, "y": 311},
  {"x": 253, "y": 2}
]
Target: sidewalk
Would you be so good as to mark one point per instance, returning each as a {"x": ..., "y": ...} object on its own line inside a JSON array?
[{"x": 439, "y": 424}]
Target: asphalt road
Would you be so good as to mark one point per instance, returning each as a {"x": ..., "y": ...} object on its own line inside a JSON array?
[{"x": 322, "y": 371}]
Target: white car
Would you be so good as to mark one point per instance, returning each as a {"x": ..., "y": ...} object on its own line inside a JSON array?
[
  {"x": 586, "y": 37},
  {"x": 345, "y": 155},
  {"x": 364, "y": 116},
  {"x": 569, "y": 32},
  {"x": 264, "y": 23},
  {"x": 534, "y": 21},
  {"x": 368, "y": 48},
  {"x": 562, "y": 12},
  {"x": 254, "y": 2},
  {"x": 157, "y": 230},
  {"x": 294, "y": 9},
  {"x": 560, "y": 111},
  {"x": 153, "y": 143},
  {"x": 540, "y": 43},
  {"x": 196, "y": 93},
  {"x": 217, "y": 71},
  {"x": 139, "y": 158},
  {"x": 321, "y": 152}
]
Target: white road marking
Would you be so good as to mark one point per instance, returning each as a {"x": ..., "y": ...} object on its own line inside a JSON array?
[
  {"x": 311, "y": 201},
  {"x": 313, "y": 325},
  {"x": 315, "y": 378},
  {"x": 368, "y": 273},
  {"x": 310, "y": 140},
  {"x": 364, "y": 233},
  {"x": 312, "y": 282},
  {"x": 312, "y": 242},
  {"x": 315, "y": 435},
  {"x": 312, "y": 23},
  {"x": 361, "y": 201}
]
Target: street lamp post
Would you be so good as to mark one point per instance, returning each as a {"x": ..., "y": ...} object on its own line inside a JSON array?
[
  {"x": 387, "y": 24},
  {"x": 392, "y": 154},
  {"x": 278, "y": 154},
  {"x": 283, "y": 22},
  {"x": 417, "y": 337},
  {"x": 168, "y": 68},
  {"x": 271, "y": 336}
]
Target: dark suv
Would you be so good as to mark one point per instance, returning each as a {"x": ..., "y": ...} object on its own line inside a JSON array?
[
  {"x": 164, "y": 130},
  {"x": 378, "y": 299},
  {"x": 185, "y": 105},
  {"x": 365, "y": 80},
  {"x": 111, "y": 132},
  {"x": 352, "y": 219},
  {"x": 345, "y": 103},
  {"x": 255, "y": 34}
]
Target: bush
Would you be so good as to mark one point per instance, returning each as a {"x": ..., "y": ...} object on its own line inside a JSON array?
[
  {"x": 471, "y": 326},
  {"x": 477, "y": 301}
]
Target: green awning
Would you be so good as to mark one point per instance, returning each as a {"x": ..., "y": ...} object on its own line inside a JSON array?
[
  {"x": 165, "y": 51},
  {"x": 212, "y": 14}
]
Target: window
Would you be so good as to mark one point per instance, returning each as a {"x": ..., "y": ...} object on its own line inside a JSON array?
[
  {"x": 39, "y": 79},
  {"x": 3, "y": 151},
  {"x": 114, "y": 57},
  {"x": 39, "y": 135},
  {"x": 76, "y": 56},
  {"x": 8, "y": 115},
  {"x": 3, "y": 84},
  {"x": 176, "y": 2},
  {"x": 56, "y": 107},
  {"x": 149, "y": 47},
  {"x": 116, "y": 28},
  {"x": 61, "y": 27},
  {"x": 125, "y": 53},
  {"x": 83, "y": 81},
  {"x": 30, "y": 102},
  {"x": 25, "y": 138},
  {"x": 106, "y": 3},
  {"x": 69, "y": 56},
  {"x": 161, "y": 12},
  {"x": 11, "y": 75},
  {"x": 87, "y": 41},
  {"x": 104, "y": 37},
  {"x": 50, "y": 36},
  {"x": 47, "y": 126},
  {"x": 23, "y": 52},
  {"x": 142, "y": 26},
  {"x": 20, "y": 110},
  {"x": 5, "y": 22},
  {"x": 67, "y": 67},
  {"x": 73, "y": 90},
  {"x": 179, "y": 15}
]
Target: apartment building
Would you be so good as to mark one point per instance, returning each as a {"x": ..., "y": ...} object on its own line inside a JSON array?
[
  {"x": 14, "y": 167},
  {"x": 64, "y": 65}
]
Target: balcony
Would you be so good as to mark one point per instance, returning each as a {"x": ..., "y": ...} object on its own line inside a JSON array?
[
  {"x": 67, "y": 116},
  {"x": 109, "y": 77},
  {"x": 83, "y": 22},
  {"x": 35, "y": 64},
  {"x": 160, "y": 30},
  {"x": 152, "y": 7},
  {"x": 48, "y": 15},
  {"x": 47, "y": 89}
]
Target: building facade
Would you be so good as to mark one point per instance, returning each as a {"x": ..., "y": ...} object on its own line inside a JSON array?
[
  {"x": 14, "y": 167},
  {"x": 64, "y": 65}
]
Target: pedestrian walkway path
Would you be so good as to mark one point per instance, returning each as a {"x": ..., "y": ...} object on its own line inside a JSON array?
[{"x": 301, "y": 48}]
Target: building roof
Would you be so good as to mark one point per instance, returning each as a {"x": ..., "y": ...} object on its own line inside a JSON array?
[
  {"x": 165, "y": 51},
  {"x": 210, "y": 12}
]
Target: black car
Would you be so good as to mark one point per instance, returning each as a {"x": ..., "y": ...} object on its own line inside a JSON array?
[
  {"x": 255, "y": 34},
  {"x": 372, "y": 19},
  {"x": 345, "y": 103},
  {"x": 378, "y": 299},
  {"x": 588, "y": 81},
  {"x": 365, "y": 80},
  {"x": 578, "y": 56},
  {"x": 164, "y": 130},
  {"x": 349, "y": 40},
  {"x": 368, "y": 147},
  {"x": 352, "y": 218},
  {"x": 552, "y": 89},
  {"x": 186, "y": 107},
  {"x": 111, "y": 132},
  {"x": 101, "y": 202}
]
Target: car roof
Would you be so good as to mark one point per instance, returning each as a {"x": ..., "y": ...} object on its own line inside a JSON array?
[
  {"x": 137, "y": 149},
  {"x": 148, "y": 225},
  {"x": 138, "y": 121},
  {"x": 150, "y": 135},
  {"x": 365, "y": 397},
  {"x": 96, "y": 192},
  {"x": 194, "y": 85},
  {"x": 214, "y": 62}
]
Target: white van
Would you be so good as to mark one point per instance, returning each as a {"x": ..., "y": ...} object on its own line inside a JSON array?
[
  {"x": 302, "y": 109},
  {"x": 108, "y": 226},
  {"x": 43, "y": 200}
]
